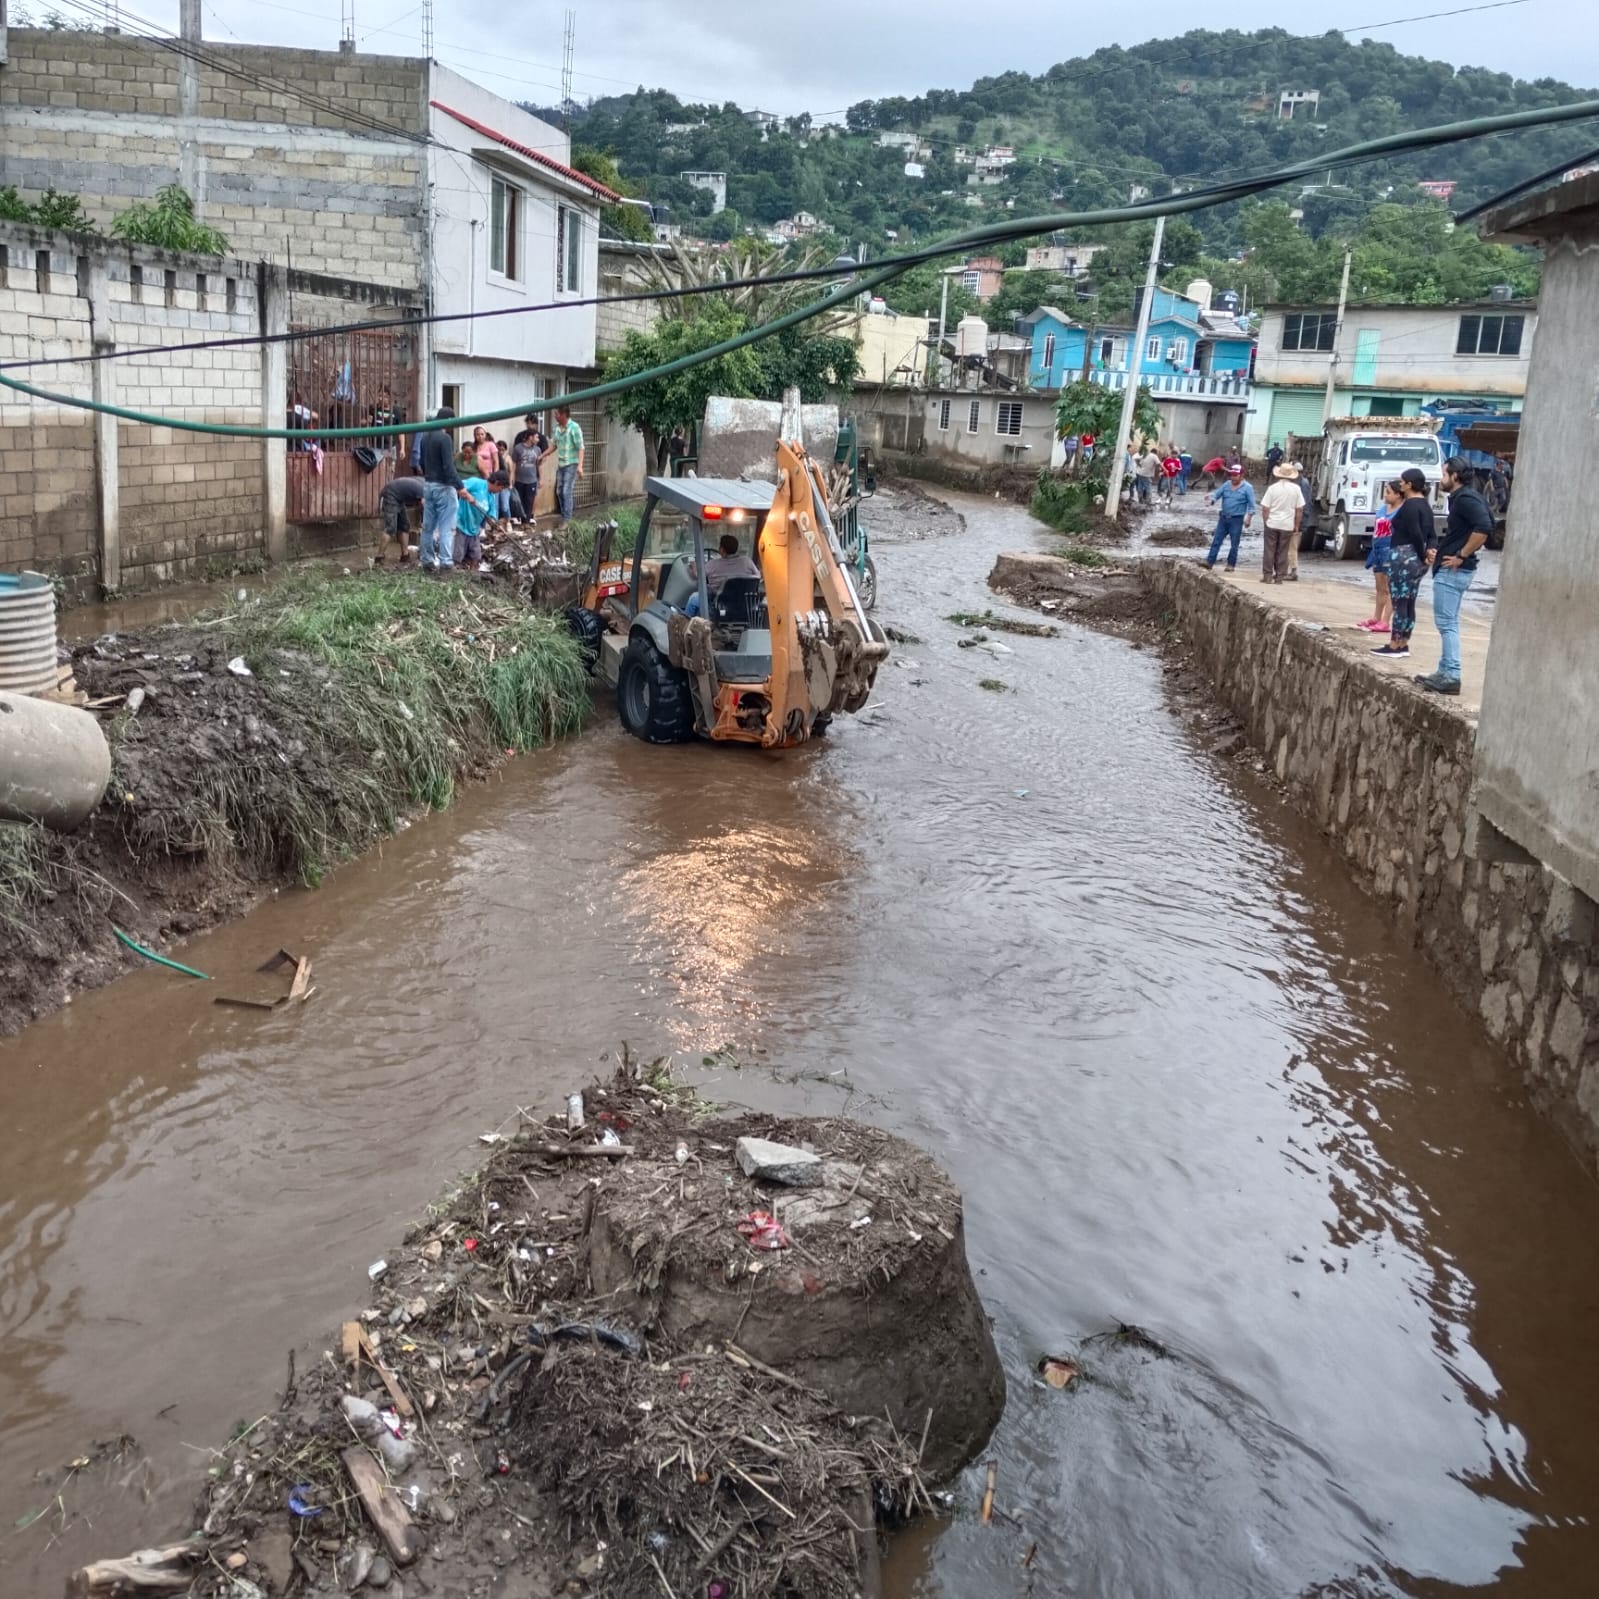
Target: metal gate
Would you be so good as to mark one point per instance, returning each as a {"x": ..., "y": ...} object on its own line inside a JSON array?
[{"x": 339, "y": 380}]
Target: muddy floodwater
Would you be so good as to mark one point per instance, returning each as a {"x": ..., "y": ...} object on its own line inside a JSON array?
[{"x": 1183, "y": 1073}]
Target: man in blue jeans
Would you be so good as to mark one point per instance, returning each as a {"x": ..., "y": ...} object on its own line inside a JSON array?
[
  {"x": 568, "y": 441},
  {"x": 1237, "y": 501},
  {"x": 442, "y": 489},
  {"x": 1453, "y": 564}
]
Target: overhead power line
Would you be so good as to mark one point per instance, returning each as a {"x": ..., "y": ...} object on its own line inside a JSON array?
[{"x": 879, "y": 274}]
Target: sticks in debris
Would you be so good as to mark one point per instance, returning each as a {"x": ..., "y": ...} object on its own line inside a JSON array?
[{"x": 167, "y": 1570}]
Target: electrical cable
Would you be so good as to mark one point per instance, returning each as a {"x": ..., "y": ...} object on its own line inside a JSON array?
[
  {"x": 874, "y": 277},
  {"x": 1516, "y": 190}
]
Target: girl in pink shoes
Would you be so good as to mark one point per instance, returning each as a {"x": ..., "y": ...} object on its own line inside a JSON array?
[{"x": 1377, "y": 559}]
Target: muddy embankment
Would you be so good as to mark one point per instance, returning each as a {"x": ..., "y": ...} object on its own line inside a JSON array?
[
  {"x": 642, "y": 1350},
  {"x": 257, "y": 748}
]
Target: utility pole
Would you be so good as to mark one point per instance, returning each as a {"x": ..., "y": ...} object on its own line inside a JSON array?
[
  {"x": 189, "y": 27},
  {"x": 427, "y": 30},
  {"x": 1124, "y": 431},
  {"x": 566, "y": 70},
  {"x": 1338, "y": 333}
]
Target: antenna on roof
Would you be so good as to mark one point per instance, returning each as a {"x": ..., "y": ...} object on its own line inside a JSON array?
[
  {"x": 566, "y": 71},
  {"x": 346, "y": 25},
  {"x": 427, "y": 30}
]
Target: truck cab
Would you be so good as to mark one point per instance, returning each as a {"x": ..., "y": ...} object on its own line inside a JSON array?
[{"x": 1356, "y": 460}]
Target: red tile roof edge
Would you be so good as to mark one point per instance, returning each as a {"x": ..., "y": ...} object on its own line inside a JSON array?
[{"x": 570, "y": 173}]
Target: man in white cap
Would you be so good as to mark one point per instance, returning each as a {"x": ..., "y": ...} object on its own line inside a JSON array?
[{"x": 1282, "y": 509}]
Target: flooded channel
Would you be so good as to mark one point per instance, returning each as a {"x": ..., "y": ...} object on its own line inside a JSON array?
[{"x": 1184, "y": 1075}]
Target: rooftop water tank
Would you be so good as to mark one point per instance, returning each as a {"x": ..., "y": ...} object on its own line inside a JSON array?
[
  {"x": 1199, "y": 290},
  {"x": 971, "y": 337}
]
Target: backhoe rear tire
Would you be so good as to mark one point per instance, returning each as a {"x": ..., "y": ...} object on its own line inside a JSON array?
[
  {"x": 867, "y": 585},
  {"x": 653, "y": 697}
]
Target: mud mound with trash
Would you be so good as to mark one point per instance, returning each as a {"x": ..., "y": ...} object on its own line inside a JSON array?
[{"x": 645, "y": 1349}]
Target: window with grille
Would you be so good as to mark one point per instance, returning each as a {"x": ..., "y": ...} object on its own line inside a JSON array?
[
  {"x": 943, "y": 416},
  {"x": 505, "y": 227},
  {"x": 1310, "y": 330},
  {"x": 1008, "y": 418},
  {"x": 1049, "y": 352},
  {"x": 972, "y": 281},
  {"x": 1490, "y": 335},
  {"x": 973, "y": 416}
]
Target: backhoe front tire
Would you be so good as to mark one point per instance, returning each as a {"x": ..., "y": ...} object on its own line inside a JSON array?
[
  {"x": 587, "y": 627},
  {"x": 866, "y": 585},
  {"x": 653, "y": 697}
]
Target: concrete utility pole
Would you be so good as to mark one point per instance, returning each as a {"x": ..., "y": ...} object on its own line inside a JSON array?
[
  {"x": 1124, "y": 432},
  {"x": 1338, "y": 333},
  {"x": 937, "y": 377},
  {"x": 189, "y": 101}
]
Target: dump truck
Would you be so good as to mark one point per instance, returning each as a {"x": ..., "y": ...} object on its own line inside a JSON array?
[
  {"x": 1347, "y": 466},
  {"x": 767, "y": 660}
]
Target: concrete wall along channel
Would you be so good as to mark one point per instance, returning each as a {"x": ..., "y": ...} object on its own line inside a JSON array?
[{"x": 1386, "y": 772}]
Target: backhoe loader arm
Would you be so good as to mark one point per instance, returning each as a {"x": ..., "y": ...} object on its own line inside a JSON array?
[{"x": 825, "y": 650}]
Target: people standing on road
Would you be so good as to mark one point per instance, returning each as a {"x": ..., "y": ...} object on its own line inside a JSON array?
[
  {"x": 1310, "y": 505},
  {"x": 1453, "y": 562},
  {"x": 1146, "y": 469},
  {"x": 1282, "y": 509},
  {"x": 1411, "y": 535},
  {"x": 676, "y": 450},
  {"x": 1213, "y": 471},
  {"x": 1171, "y": 471},
  {"x": 475, "y": 507},
  {"x": 1382, "y": 543},
  {"x": 568, "y": 460},
  {"x": 398, "y": 495},
  {"x": 1186, "y": 461},
  {"x": 1236, "y": 499},
  {"x": 1274, "y": 456},
  {"x": 442, "y": 490}
]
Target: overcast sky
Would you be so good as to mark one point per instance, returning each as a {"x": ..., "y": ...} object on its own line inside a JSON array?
[{"x": 823, "y": 55}]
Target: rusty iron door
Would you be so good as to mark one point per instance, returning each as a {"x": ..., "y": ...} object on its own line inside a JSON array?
[{"x": 339, "y": 380}]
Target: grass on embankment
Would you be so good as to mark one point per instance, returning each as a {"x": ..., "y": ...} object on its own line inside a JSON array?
[{"x": 368, "y": 697}]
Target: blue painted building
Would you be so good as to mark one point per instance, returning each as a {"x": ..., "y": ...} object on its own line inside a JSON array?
[{"x": 1184, "y": 339}]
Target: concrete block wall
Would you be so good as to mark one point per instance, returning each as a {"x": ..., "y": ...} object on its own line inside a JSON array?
[
  {"x": 1387, "y": 773},
  {"x": 183, "y": 500},
  {"x": 97, "y": 115}
]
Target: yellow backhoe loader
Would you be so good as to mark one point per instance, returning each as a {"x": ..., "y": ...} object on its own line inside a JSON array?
[{"x": 766, "y": 660}]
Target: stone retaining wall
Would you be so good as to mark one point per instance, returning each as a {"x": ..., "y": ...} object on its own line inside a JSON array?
[{"x": 1386, "y": 771}]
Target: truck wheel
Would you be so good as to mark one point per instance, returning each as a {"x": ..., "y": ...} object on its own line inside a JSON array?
[
  {"x": 1307, "y": 540},
  {"x": 1345, "y": 545},
  {"x": 653, "y": 697},
  {"x": 866, "y": 585},
  {"x": 586, "y": 627}
]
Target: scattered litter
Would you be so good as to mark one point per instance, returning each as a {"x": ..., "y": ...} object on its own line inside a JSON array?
[
  {"x": 763, "y": 1231},
  {"x": 300, "y": 1500},
  {"x": 994, "y": 647},
  {"x": 859, "y": 1222},
  {"x": 135, "y": 700},
  {"x": 238, "y": 668},
  {"x": 1021, "y": 793},
  {"x": 574, "y": 1112},
  {"x": 987, "y": 1513},
  {"x": 376, "y": 1269},
  {"x": 469, "y": 1244},
  {"x": 491, "y": 1138},
  {"x": 1059, "y": 1372},
  {"x": 609, "y": 1139},
  {"x": 299, "y": 989},
  {"x": 680, "y": 1154}
]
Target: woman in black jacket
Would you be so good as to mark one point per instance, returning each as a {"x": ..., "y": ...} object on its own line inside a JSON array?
[{"x": 1412, "y": 532}]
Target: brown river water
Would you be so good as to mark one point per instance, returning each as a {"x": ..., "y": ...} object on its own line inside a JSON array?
[{"x": 1183, "y": 1072}]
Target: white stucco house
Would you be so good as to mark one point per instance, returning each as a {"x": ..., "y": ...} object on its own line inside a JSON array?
[{"x": 513, "y": 225}]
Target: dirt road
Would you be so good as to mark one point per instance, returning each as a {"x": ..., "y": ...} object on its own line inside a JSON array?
[{"x": 1182, "y": 1071}]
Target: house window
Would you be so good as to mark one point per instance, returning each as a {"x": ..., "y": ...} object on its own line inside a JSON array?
[
  {"x": 972, "y": 281},
  {"x": 1179, "y": 352},
  {"x": 1008, "y": 418},
  {"x": 972, "y": 416},
  {"x": 1107, "y": 352},
  {"x": 943, "y": 416},
  {"x": 1490, "y": 335},
  {"x": 1049, "y": 352},
  {"x": 1310, "y": 330},
  {"x": 505, "y": 229},
  {"x": 568, "y": 250},
  {"x": 1152, "y": 347}
]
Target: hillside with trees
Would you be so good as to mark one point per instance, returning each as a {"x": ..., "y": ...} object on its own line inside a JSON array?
[{"x": 1093, "y": 131}]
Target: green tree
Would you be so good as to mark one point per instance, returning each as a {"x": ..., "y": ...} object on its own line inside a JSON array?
[
  {"x": 725, "y": 226},
  {"x": 170, "y": 224},
  {"x": 817, "y": 363},
  {"x": 616, "y": 221},
  {"x": 1093, "y": 409},
  {"x": 678, "y": 399},
  {"x": 916, "y": 293}
]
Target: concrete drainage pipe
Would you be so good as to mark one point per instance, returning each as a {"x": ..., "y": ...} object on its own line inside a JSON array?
[{"x": 54, "y": 762}]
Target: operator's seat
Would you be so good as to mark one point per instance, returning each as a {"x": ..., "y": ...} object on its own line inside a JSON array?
[{"x": 740, "y": 603}]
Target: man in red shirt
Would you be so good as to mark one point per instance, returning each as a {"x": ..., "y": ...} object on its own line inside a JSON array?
[{"x": 1171, "y": 469}]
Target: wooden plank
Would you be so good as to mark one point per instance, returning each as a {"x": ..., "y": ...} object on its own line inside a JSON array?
[
  {"x": 350, "y": 1340},
  {"x": 382, "y": 1505},
  {"x": 167, "y": 1570},
  {"x": 397, "y": 1393}
]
